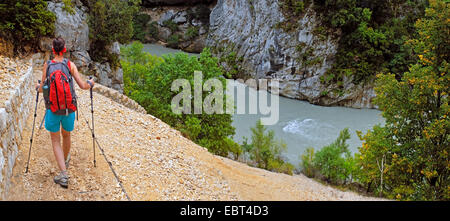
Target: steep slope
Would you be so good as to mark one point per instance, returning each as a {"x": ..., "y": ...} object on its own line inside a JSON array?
[{"x": 152, "y": 160}]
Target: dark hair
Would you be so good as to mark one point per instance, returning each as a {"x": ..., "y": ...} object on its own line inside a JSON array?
[{"x": 58, "y": 44}]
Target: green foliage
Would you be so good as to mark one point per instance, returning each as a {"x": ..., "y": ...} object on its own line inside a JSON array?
[
  {"x": 373, "y": 36},
  {"x": 265, "y": 151},
  {"x": 141, "y": 26},
  {"x": 230, "y": 62},
  {"x": 153, "y": 30},
  {"x": 415, "y": 141},
  {"x": 68, "y": 6},
  {"x": 307, "y": 164},
  {"x": 173, "y": 41},
  {"x": 25, "y": 21},
  {"x": 148, "y": 81},
  {"x": 110, "y": 21},
  {"x": 171, "y": 25},
  {"x": 191, "y": 33},
  {"x": 136, "y": 64},
  {"x": 294, "y": 7},
  {"x": 334, "y": 161}
]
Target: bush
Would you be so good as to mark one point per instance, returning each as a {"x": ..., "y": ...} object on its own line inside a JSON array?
[
  {"x": 265, "y": 151},
  {"x": 191, "y": 33},
  {"x": 149, "y": 80},
  {"x": 153, "y": 30},
  {"x": 141, "y": 26},
  {"x": 25, "y": 21},
  {"x": 307, "y": 164},
  {"x": 333, "y": 163},
  {"x": 68, "y": 6},
  {"x": 171, "y": 25},
  {"x": 110, "y": 21},
  {"x": 173, "y": 41}
]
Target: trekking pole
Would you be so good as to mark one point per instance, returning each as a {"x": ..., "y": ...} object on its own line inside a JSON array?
[
  {"x": 32, "y": 130},
  {"x": 92, "y": 113},
  {"x": 42, "y": 122}
]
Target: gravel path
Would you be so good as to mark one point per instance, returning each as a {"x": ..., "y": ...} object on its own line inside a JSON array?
[{"x": 153, "y": 161}]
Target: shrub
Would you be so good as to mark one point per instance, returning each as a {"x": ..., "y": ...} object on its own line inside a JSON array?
[
  {"x": 265, "y": 151},
  {"x": 173, "y": 41},
  {"x": 25, "y": 21},
  {"x": 333, "y": 163},
  {"x": 141, "y": 26},
  {"x": 191, "y": 33},
  {"x": 110, "y": 21},
  {"x": 153, "y": 30},
  {"x": 171, "y": 25},
  {"x": 307, "y": 164},
  {"x": 68, "y": 6}
]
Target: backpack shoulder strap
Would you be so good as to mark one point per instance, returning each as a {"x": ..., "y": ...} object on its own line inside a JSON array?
[
  {"x": 49, "y": 62},
  {"x": 66, "y": 62}
]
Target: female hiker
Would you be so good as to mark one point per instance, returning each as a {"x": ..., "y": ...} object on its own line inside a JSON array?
[{"x": 57, "y": 85}]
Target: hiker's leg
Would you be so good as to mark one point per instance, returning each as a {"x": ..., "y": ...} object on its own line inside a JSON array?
[
  {"x": 66, "y": 142},
  {"x": 57, "y": 150}
]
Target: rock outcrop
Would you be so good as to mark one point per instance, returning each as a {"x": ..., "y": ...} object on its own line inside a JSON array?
[
  {"x": 297, "y": 58},
  {"x": 179, "y": 27},
  {"x": 74, "y": 29}
]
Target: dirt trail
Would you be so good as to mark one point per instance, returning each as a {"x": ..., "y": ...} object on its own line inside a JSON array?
[{"x": 153, "y": 161}]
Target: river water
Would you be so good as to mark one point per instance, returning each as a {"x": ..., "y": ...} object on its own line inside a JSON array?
[{"x": 301, "y": 124}]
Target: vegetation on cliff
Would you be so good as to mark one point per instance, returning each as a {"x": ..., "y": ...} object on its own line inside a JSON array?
[{"x": 25, "y": 21}]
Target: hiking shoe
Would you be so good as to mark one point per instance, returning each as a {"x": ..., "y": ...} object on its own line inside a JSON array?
[
  {"x": 67, "y": 161},
  {"x": 62, "y": 179}
]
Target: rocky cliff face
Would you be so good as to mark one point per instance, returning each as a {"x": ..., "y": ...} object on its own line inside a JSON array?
[
  {"x": 182, "y": 27},
  {"x": 75, "y": 31},
  {"x": 297, "y": 58}
]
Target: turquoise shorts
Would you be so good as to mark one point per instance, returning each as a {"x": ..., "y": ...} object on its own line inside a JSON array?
[{"x": 54, "y": 122}]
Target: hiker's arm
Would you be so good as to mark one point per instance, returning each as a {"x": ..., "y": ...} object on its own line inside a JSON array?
[
  {"x": 83, "y": 84},
  {"x": 44, "y": 74}
]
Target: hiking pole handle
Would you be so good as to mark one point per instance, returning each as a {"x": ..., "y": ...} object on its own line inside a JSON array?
[
  {"x": 90, "y": 84},
  {"x": 37, "y": 87}
]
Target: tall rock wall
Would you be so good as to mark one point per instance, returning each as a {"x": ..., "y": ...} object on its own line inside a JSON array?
[{"x": 252, "y": 30}]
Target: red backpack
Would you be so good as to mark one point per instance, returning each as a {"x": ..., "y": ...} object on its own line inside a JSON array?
[{"x": 61, "y": 98}]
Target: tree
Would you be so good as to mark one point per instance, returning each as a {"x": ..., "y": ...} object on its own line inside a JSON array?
[
  {"x": 25, "y": 21},
  {"x": 416, "y": 138},
  {"x": 110, "y": 21},
  {"x": 265, "y": 151},
  {"x": 334, "y": 161}
]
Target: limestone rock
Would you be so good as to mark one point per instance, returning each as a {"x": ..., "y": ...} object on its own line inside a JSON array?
[
  {"x": 73, "y": 28},
  {"x": 272, "y": 53},
  {"x": 114, "y": 48},
  {"x": 166, "y": 17}
]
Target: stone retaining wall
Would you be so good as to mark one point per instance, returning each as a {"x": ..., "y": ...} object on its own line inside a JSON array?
[
  {"x": 13, "y": 117},
  {"x": 119, "y": 98}
]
